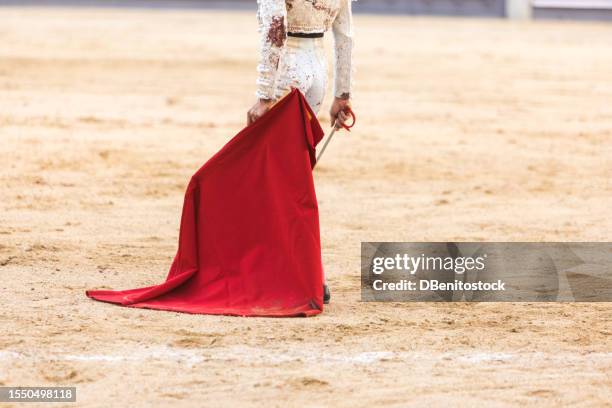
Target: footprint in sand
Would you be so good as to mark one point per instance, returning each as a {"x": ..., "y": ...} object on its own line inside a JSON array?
[{"x": 307, "y": 382}]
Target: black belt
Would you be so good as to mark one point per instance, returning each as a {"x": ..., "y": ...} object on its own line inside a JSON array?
[{"x": 305, "y": 35}]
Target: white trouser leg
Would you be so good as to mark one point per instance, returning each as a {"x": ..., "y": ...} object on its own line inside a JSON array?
[{"x": 303, "y": 66}]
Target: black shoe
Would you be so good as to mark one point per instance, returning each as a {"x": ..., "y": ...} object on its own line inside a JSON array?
[{"x": 326, "y": 294}]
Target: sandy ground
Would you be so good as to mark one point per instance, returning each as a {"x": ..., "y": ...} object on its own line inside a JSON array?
[{"x": 468, "y": 130}]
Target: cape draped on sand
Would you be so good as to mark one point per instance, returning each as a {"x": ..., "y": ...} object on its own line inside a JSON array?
[{"x": 249, "y": 240}]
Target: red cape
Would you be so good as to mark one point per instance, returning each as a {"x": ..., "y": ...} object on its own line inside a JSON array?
[{"x": 249, "y": 237}]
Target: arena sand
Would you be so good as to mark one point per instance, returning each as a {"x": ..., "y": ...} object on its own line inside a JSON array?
[{"x": 468, "y": 130}]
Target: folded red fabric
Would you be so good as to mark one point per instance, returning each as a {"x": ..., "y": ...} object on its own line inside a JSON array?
[{"x": 249, "y": 235}]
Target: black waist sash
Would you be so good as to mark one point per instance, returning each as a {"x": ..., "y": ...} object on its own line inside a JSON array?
[{"x": 305, "y": 35}]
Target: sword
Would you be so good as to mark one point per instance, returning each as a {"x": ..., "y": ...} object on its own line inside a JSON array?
[{"x": 329, "y": 138}]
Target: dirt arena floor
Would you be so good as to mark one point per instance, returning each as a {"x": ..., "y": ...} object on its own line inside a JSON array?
[{"x": 468, "y": 130}]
